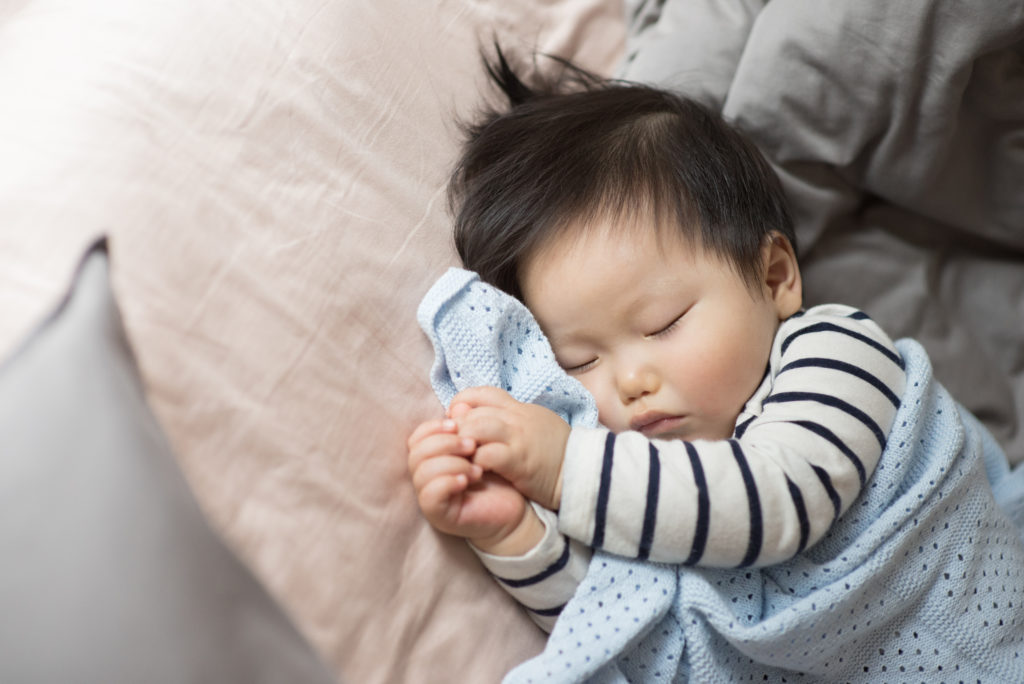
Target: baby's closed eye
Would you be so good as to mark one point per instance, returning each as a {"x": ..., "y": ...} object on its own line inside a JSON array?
[
  {"x": 575, "y": 368},
  {"x": 668, "y": 328}
]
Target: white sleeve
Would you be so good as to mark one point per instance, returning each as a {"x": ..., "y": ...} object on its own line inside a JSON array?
[
  {"x": 544, "y": 578},
  {"x": 791, "y": 469}
]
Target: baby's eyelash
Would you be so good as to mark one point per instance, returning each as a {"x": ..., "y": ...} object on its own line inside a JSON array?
[
  {"x": 579, "y": 368},
  {"x": 668, "y": 328}
]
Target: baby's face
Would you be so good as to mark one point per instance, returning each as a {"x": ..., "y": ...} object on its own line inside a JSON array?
[{"x": 669, "y": 339}]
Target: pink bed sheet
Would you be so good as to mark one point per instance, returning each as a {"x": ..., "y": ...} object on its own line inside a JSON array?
[{"x": 271, "y": 175}]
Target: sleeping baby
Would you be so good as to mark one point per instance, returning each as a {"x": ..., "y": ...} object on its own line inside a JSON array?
[{"x": 626, "y": 250}]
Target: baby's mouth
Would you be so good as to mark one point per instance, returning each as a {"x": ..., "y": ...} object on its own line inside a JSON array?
[{"x": 655, "y": 423}]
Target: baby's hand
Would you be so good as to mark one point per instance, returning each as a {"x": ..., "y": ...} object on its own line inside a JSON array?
[
  {"x": 524, "y": 443},
  {"x": 458, "y": 498}
]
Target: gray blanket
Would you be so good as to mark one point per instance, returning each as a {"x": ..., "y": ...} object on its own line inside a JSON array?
[{"x": 898, "y": 131}]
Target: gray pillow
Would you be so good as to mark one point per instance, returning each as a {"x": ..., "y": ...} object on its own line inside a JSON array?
[{"x": 108, "y": 570}]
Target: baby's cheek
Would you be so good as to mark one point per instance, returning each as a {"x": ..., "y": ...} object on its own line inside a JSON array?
[
  {"x": 609, "y": 412},
  {"x": 609, "y": 406},
  {"x": 734, "y": 382},
  {"x": 605, "y": 419},
  {"x": 615, "y": 419}
]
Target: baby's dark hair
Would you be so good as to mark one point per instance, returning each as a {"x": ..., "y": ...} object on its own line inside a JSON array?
[{"x": 576, "y": 148}]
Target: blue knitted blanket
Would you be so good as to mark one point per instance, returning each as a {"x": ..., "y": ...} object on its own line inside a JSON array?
[
  {"x": 922, "y": 579},
  {"x": 482, "y": 336}
]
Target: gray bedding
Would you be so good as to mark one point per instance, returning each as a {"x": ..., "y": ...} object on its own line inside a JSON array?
[{"x": 898, "y": 131}]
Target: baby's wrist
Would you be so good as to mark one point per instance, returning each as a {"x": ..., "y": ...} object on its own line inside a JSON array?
[
  {"x": 516, "y": 541},
  {"x": 555, "y": 494}
]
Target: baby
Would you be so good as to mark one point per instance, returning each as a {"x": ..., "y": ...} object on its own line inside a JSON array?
[{"x": 652, "y": 243}]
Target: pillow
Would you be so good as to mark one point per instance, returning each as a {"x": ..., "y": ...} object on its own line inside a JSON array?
[{"x": 110, "y": 572}]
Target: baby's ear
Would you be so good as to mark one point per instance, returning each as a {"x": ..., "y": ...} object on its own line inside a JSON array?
[{"x": 782, "y": 276}]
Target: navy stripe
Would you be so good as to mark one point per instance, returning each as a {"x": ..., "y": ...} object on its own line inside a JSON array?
[
  {"x": 859, "y": 316},
  {"x": 548, "y": 612},
  {"x": 832, "y": 327},
  {"x": 833, "y": 364},
  {"x": 742, "y": 427},
  {"x": 834, "y": 402},
  {"x": 558, "y": 565},
  {"x": 651, "y": 511},
  {"x": 832, "y": 437},
  {"x": 700, "y": 532},
  {"x": 801, "y": 513},
  {"x": 826, "y": 482},
  {"x": 601, "y": 514},
  {"x": 754, "y": 502}
]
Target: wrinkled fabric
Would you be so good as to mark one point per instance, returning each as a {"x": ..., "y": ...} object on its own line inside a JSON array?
[{"x": 271, "y": 175}]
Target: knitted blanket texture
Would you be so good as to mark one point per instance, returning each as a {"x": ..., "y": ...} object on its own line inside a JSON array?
[{"x": 922, "y": 579}]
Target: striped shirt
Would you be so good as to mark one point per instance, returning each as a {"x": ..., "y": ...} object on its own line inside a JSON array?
[{"x": 803, "y": 447}]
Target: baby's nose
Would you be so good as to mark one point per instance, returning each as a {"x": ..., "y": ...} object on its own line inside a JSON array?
[{"x": 636, "y": 381}]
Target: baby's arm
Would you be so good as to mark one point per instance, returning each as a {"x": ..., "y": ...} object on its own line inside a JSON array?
[
  {"x": 773, "y": 490},
  {"x": 543, "y": 579},
  {"x": 519, "y": 543},
  {"x": 524, "y": 444}
]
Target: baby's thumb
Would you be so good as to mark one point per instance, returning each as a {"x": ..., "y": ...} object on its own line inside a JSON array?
[{"x": 458, "y": 410}]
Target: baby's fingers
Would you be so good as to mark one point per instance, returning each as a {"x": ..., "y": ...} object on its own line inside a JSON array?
[
  {"x": 497, "y": 457},
  {"x": 485, "y": 425},
  {"x": 437, "y": 498},
  {"x": 476, "y": 397},
  {"x": 439, "y": 444},
  {"x": 430, "y": 427},
  {"x": 458, "y": 410},
  {"x": 441, "y": 467}
]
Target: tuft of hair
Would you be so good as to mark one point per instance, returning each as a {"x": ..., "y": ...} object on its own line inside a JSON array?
[{"x": 570, "y": 148}]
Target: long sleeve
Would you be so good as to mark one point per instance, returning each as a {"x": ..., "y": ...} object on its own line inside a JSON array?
[
  {"x": 804, "y": 446},
  {"x": 546, "y": 577}
]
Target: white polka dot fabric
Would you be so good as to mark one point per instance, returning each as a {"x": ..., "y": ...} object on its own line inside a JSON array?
[{"x": 922, "y": 580}]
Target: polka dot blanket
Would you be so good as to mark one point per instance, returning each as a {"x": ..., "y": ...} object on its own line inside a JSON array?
[
  {"x": 482, "y": 336},
  {"x": 922, "y": 580}
]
